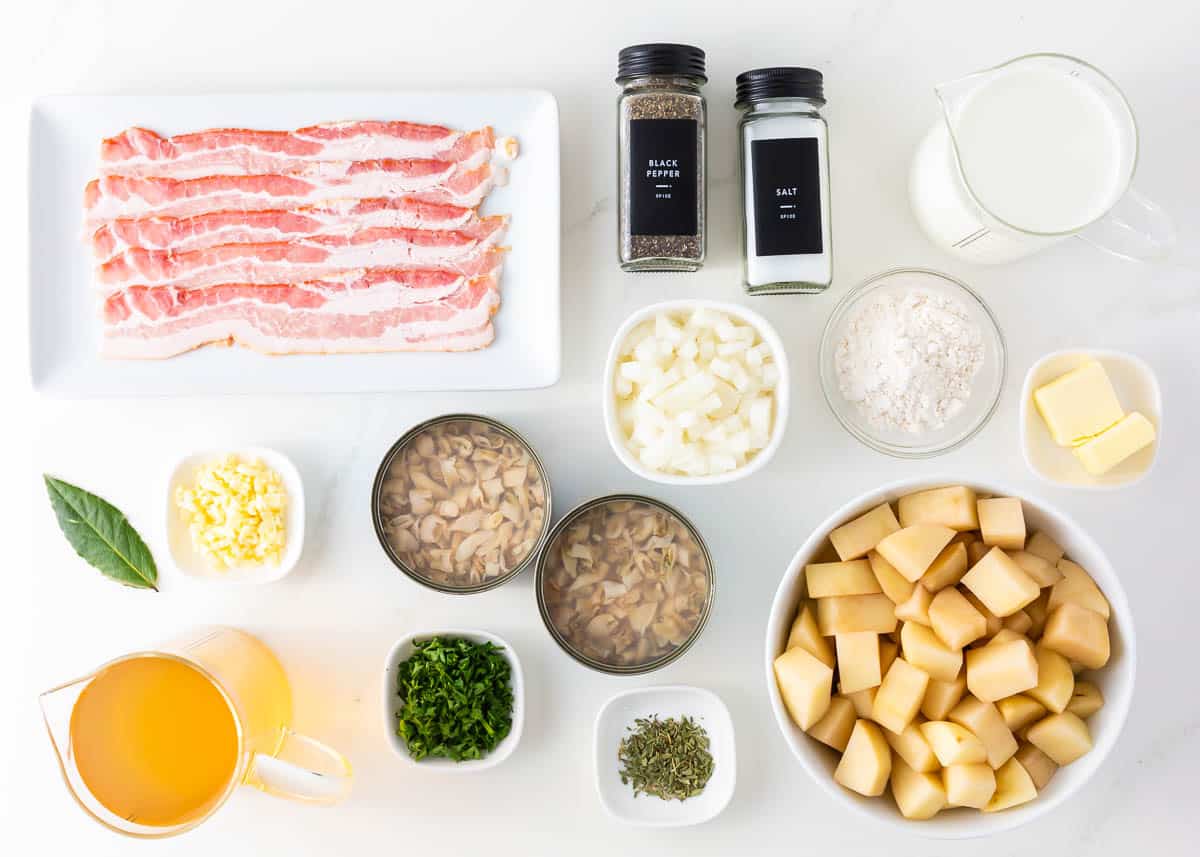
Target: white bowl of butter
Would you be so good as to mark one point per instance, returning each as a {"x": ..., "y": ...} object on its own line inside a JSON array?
[
  {"x": 192, "y": 561},
  {"x": 1137, "y": 390}
]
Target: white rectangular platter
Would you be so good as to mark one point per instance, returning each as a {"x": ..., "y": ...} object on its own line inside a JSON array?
[{"x": 65, "y": 135}]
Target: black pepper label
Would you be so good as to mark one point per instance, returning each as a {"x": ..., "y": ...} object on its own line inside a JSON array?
[
  {"x": 787, "y": 196},
  {"x": 662, "y": 175}
]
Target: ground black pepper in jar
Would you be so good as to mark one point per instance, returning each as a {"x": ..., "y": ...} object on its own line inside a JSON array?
[{"x": 661, "y": 158}]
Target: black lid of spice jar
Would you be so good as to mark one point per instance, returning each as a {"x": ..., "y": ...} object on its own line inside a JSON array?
[
  {"x": 782, "y": 82},
  {"x": 660, "y": 59}
]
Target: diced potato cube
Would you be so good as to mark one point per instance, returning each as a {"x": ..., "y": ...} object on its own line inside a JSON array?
[
  {"x": 826, "y": 579},
  {"x": 966, "y": 540},
  {"x": 1014, "y": 787},
  {"x": 1001, "y": 584},
  {"x": 952, "y": 507},
  {"x": 1063, "y": 737},
  {"x": 969, "y": 785},
  {"x": 1037, "y": 613},
  {"x": 984, "y": 720},
  {"x": 845, "y": 614},
  {"x": 994, "y": 622},
  {"x": 925, "y": 650},
  {"x": 858, "y": 660},
  {"x": 912, "y": 549},
  {"x": 916, "y": 608},
  {"x": 1078, "y": 634},
  {"x": 863, "y": 701},
  {"x": 1037, "y": 764},
  {"x": 834, "y": 728},
  {"x": 807, "y": 636},
  {"x": 911, "y": 746},
  {"x": 918, "y": 796},
  {"x": 894, "y": 585},
  {"x": 867, "y": 762},
  {"x": 1056, "y": 682},
  {"x": 1077, "y": 587},
  {"x": 953, "y": 618},
  {"x": 899, "y": 695},
  {"x": 1086, "y": 700},
  {"x": 1002, "y": 523},
  {"x": 1040, "y": 544},
  {"x": 942, "y": 696},
  {"x": 1044, "y": 572},
  {"x": 1006, "y": 635},
  {"x": 1020, "y": 710},
  {"x": 888, "y": 652},
  {"x": 999, "y": 670},
  {"x": 947, "y": 569},
  {"x": 1018, "y": 623},
  {"x": 952, "y": 744},
  {"x": 853, "y": 540},
  {"x": 806, "y": 685}
]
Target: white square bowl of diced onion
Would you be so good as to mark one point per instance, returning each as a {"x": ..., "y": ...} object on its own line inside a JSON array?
[
  {"x": 695, "y": 392},
  {"x": 191, "y": 561}
]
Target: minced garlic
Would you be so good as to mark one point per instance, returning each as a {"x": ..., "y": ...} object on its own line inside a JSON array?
[{"x": 235, "y": 511}]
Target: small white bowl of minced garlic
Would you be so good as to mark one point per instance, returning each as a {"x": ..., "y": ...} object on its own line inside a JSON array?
[{"x": 235, "y": 516}]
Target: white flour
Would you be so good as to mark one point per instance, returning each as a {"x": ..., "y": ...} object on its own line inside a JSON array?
[{"x": 907, "y": 359}]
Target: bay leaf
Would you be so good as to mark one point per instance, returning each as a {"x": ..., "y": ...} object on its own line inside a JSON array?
[{"x": 101, "y": 535}]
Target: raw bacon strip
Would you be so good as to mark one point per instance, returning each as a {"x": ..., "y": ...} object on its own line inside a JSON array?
[
  {"x": 183, "y": 235},
  {"x": 289, "y": 262},
  {"x": 313, "y": 317},
  {"x": 111, "y": 197},
  {"x": 363, "y": 288},
  {"x": 239, "y": 151}
]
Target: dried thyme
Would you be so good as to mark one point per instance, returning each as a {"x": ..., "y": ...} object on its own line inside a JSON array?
[{"x": 669, "y": 758}]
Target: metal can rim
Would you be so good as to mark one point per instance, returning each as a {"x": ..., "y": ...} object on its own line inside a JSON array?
[
  {"x": 406, "y": 438},
  {"x": 600, "y": 666}
]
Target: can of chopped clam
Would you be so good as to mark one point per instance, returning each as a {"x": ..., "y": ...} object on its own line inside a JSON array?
[
  {"x": 461, "y": 503},
  {"x": 624, "y": 584}
]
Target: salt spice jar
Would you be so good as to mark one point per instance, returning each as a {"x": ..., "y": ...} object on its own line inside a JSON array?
[
  {"x": 661, "y": 158},
  {"x": 784, "y": 154}
]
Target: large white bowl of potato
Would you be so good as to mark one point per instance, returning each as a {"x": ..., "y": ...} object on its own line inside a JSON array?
[{"x": 950, "y": 657}]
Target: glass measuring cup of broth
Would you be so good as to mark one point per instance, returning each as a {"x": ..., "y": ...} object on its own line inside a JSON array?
[
  {"x": 1029, "y": 153},
  {"x": 153, "y": 743}
]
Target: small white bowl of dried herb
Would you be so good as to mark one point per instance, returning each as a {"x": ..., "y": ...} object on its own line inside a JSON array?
[
  {"x": 665, "y": 756},
  {"x": 453, "y": 700}
]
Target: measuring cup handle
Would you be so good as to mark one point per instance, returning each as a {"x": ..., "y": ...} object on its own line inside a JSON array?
[
  {"x": 304, "y": 769},
  {"x": 1136, "y": 228}
]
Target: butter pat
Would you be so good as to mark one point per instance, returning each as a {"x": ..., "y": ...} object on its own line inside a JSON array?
[
  {"x": 1103, "y": 453},
  {"x": 1079, "y": 405}
]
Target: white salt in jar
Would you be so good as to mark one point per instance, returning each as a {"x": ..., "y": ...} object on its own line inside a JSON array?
[{"x": 784, "y": 148}]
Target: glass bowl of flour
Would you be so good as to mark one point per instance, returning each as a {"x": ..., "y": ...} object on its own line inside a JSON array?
[{"x": 912, "y": 363}]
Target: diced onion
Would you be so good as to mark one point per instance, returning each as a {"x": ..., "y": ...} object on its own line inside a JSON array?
[{"x": 695, "y": 392}]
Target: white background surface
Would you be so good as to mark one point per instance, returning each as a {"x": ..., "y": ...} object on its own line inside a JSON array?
[{"x": 334, "y": 619}]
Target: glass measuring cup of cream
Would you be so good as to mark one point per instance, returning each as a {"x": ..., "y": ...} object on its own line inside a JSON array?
[{"x": 1029, "y": 153}]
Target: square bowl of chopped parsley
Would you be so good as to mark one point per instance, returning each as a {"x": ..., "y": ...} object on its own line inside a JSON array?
[{"x": 453, "y": 700}]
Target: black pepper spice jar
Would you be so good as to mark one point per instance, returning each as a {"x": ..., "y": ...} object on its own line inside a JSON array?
[{"x": 662, "y": 190}]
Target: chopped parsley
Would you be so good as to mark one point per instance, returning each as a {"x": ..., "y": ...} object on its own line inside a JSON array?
[{"x": 456, "y": 699}]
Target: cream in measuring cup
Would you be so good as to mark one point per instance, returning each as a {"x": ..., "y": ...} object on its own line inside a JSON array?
[{"x": 1027, "y": 154}]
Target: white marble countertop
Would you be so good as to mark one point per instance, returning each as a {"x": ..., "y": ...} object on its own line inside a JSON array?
[{"x": 333, "y": 621}]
